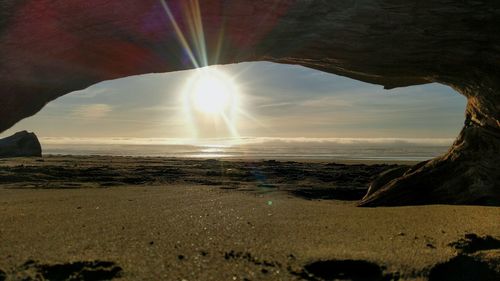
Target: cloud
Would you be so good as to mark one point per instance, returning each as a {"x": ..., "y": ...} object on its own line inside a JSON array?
[
  {"x": 277, "y": 104},
  {"x": 157, "y": 108},
  {"x": 92, "y": 111},
  {"x": 90, "y": 92},
  {"x": 329, "y": 102}
]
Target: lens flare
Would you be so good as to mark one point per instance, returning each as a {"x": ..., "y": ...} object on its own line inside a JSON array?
[
  {"x": 211, "y": 102},
  {"x": 212, "y": 98},
  {"x": 213, "y": 93}
]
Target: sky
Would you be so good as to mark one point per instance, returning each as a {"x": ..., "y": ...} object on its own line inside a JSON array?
[{"x": 273, "y": 101}]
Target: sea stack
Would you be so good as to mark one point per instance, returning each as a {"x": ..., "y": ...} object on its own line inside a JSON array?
[{"x": 21, "y": 144}]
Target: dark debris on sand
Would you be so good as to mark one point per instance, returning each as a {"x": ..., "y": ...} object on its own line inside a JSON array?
[
  {"x": 473, "y": 243},
  {"x": 74, "y": 271},
  {"x": 353, "y": 270},
  {"x": 464, "y": 268},
  {"x": 469, "y": 264},
  {"x": 3, "y": 275}
]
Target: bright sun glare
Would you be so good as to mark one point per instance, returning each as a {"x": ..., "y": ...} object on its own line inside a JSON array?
[
  {"x": 213, "y": 92},
  {"x": 212, "y": 103}
]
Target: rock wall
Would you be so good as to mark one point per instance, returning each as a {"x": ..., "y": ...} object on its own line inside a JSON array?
[{"x": 50, "y": 48}]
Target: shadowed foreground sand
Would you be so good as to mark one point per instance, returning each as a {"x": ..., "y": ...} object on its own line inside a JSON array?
[{"x": 206, "y": 232}]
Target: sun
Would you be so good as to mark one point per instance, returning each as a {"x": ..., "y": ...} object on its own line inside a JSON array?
[
  {"x": 212, "y": 92},
  {"x": 212, "y": 104}
]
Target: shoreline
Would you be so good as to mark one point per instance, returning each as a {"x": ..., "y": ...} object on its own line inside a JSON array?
[
  {"x": 256, "y": 159},
  {"x": 349, "y": 178}
]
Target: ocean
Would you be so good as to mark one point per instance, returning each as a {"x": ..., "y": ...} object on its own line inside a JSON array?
[{"x": 325, "y": 149}]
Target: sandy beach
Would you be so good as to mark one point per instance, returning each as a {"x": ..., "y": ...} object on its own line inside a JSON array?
[{"x": 102, "y": 218}]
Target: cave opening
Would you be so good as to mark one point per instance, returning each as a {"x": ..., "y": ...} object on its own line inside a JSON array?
[{"x": 290, "y": 105}]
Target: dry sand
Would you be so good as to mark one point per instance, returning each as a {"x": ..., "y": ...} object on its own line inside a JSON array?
[{"x": 248, "y": 231}]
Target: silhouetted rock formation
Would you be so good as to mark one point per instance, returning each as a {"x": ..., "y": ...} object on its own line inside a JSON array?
[
  {"x": 50, "y": 48},
  {"x": 21, "y": 144}
]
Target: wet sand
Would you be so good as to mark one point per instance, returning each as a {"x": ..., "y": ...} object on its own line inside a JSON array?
[{"x": 172, "y": 219}]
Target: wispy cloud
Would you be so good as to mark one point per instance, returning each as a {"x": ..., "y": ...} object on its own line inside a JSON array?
[
  {"x": 277, "y": 104},
  {"x": 159, "y": 108},
  {"x": 92, "y": 111},
  {"x": 330, "y": 102},
  {"x": 89, "y": 93}
]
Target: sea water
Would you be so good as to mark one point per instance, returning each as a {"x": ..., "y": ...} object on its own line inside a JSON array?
[{"x": 386, "y": 149}]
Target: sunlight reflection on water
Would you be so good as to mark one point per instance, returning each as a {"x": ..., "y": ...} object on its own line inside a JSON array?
[{"x": 394, "y": 150}]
